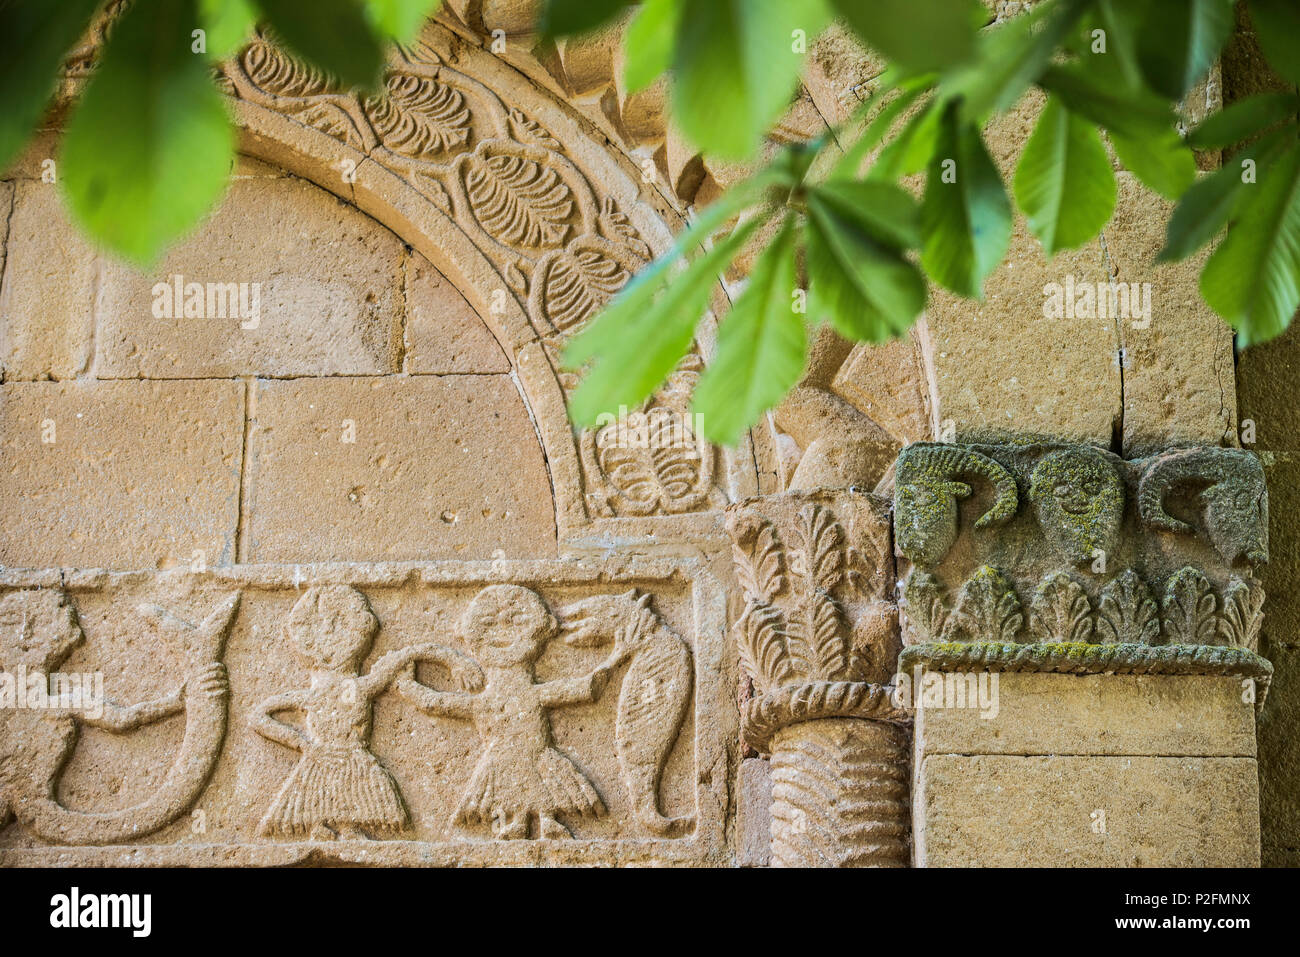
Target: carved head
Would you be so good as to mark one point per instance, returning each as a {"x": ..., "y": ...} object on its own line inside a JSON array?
[
  {"x": 38, "y": 630},
  {"x": 1079, "y": 498},
  {"x": 926, "y": 492},
  {"x": 594, "y": 621},
  {"x": 332, "y": 626},
  {"x": 507, "y": 625},
  {"x": 1231, "y": 489}
]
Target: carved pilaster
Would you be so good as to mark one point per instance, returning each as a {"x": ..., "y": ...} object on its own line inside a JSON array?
[
  {"x": 818, "y": 637},
  {"x": 1113, "y": 598}
]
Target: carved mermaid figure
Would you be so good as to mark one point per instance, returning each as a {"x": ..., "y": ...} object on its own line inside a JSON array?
[
  {"x": 38, "y": 631},
  {"x": 339, "y": 788},
  {"x": 521, "y": 776}
]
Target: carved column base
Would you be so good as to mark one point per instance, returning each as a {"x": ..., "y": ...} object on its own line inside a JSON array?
[{"x": 840, "y": 795}]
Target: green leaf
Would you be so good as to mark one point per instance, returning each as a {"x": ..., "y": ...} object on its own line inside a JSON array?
[
  {"x": 35, "y": 35},
  {"x": 1242, "y": 120},
  {"x": 227, "y": 23},
  {"x": 1009, "y": 58},
  {"x": 648, "y": 43},
  {"x": 148, "y": 151},
  {"x": 401, "y": 19},
  {"x": 1277, "y": 26},
  {"x": 1163, "y": 162},
  {"x": 887, "y": 213},
  {"x": 863, "y": 287},
  {"x": 563, "y": 18},
  {"x": 761, "y": 348},
  {"x": 919, "y": 35},
  {"x": 334, "y": 35},
  {"x": 1253, "y": 278},
  {"x": 966, "y": 221},
  {"x": 1179, "y": 40},
  {"x": 1206, "y": 207},
  {"x": 910, "y": 151},
  {"x": 1120, "y": 22},
  {"x": 640, "y": 338},
  {"x": 1109, "y": 102},
  {"x": 1064, "y": 181},
  {"x": 847, "y": 164},
  {"x": 735, "y": 68}
]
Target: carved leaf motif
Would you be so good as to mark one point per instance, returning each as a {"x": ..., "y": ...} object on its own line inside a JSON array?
[
  {"x": 1060, "y": 610},
  {"x": 419, "y": 117},
  {"x": 663, "y": 479},
  {"x": 274, "y": 71},
  {"x": 578, "y": 284},
  {"x": 817, "y": 633},
  {"x": 987, "y": 609},
  {"x": 760, "y": 638},
  {"x": 1190, "y": 613},
  {"x": 1127, "y": 613},
  {"x": 1243, "y": 614},
  {"x": 519, "y": 202},
  {"x": 926, "y": 611},
  {"x": 822, "y": 540},
  {"x": 759, "y": 564},
  {"x": 616, "y": 227},
  {"x": 530, "y": 131}
]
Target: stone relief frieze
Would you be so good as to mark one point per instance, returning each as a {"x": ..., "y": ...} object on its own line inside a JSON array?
[
  {"x": 1143, "y": 555},
  {"x": 400, "y": 715}
]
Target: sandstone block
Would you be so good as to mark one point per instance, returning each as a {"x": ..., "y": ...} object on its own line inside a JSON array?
[
  {"x": 47, "y": 300},
  {"x": 320, "y": 290},
  {"x": 1152, "y": 715},
  {"x": 443, "y": 334},
  {"x": 395, "y": 468},
  {"x": 1086, "y": 811},
  {"x": 120, "y": 474}
]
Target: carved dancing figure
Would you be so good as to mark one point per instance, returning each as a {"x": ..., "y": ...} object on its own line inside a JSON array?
[
  {"x": 339, "y": 788},
  {"x": 521, "y": 775},
  {"x": 38, "y": 631}
]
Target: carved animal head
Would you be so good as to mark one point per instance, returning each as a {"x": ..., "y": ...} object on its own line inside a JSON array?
[
  {"x": 38, "y": 630},
  {"x": 1230, "y": 484},
  {"x": 926, "y": 494},
  {"x": 1079, "y": 498},
  {"x": 507, "y": 625},
  {"x": 594, "y": 621},
  {"x": 332, "y": 626}
]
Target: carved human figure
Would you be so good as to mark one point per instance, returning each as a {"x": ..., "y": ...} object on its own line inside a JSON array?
[
  {"x": 1079, "y": 499},
  {"x": 521, "y": 775},
  {"x": 338, "y": 787},
  {"x": 38, "y": 631}
]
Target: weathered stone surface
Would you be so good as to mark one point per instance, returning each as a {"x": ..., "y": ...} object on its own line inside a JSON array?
[
  {"x": 518, "y": 713},
  {"x": 328, "y": 289},
  {"x": 443, "y": 466},
  {"x": 887, "y": 383},
  {"x": 443, "y": 334},
  {"x": 47, "y": 300},
  {"x": 1279, "y": 760},
  {"x": 1178, "y": 368},
  {"x": 1152, "y": 715},
  {"x": 134, "y": 475},
  {"x": 1041, "y": 811},
  {"x": 753, "y": 813},
  {"x": 982, "y": 387}
]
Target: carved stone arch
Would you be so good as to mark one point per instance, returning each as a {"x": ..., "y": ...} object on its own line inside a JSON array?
[{"x": 530, "y": 213}]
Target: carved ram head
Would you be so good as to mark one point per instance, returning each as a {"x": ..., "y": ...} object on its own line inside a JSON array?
[
  {"x": 1231, "y": 490},
  {"x": 927, "y": 491}
]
